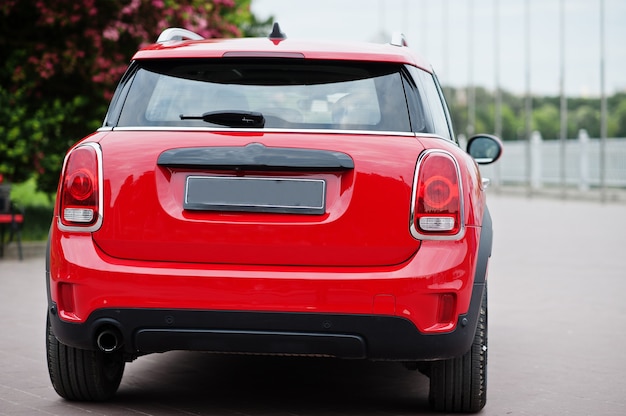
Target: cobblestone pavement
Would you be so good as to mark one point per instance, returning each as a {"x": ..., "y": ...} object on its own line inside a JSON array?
[{"x": 556, "y": 338}]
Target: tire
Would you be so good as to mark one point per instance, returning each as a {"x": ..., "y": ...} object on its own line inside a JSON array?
[
  {"x": 82, "y": 375},
  {"x": 460, "y": 384}
]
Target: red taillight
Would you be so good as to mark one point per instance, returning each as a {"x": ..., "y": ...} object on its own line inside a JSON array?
[
  {"x": 437, "y": 199},
  {"x": 79, "y": 192},
  {"x": 80, "y": 185}
]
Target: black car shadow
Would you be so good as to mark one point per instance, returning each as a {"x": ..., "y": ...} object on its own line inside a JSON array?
[{"x": 200, "y": 383}]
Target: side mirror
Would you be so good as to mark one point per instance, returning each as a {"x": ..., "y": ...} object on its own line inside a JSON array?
[{"x": 484, "y": 148}]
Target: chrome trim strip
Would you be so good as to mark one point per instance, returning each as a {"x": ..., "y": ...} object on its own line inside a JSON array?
[
  {"x": 414, "y": 231},
  {"x": 98, "y": 223}
]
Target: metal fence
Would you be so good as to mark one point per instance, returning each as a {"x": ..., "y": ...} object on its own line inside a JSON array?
[{"x": 582, "y": 165}]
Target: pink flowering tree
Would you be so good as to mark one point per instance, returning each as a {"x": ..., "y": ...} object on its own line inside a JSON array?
[{"x": 61, "y": 60}]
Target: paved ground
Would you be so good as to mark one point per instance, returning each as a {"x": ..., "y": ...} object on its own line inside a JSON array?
[{"x": 557, "y": 337}]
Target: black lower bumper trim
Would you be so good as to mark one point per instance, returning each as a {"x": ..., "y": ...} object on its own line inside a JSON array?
[
  {"x": 257, "y": 342},
  {"x": 374, "y": 337}
]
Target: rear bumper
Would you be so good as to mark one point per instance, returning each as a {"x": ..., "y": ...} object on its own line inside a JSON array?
[
  {"x": 336, "y": 335},
  {"x": 381, "y": 314}
]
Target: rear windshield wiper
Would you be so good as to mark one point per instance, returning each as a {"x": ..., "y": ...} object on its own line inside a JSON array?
[{"x": 249, "y": 119}]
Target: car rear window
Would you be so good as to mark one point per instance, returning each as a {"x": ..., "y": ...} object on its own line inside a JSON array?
[{"x": 295, "y": 94}]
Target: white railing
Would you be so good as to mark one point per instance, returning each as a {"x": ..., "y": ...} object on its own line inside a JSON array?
[{"x": 583, "y": 164}]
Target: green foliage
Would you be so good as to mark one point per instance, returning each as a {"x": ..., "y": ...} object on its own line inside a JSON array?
[
  {"x": 37, "y": 208},
  {"x": 37, "y": 220},
  {"x": 34, "y": 135},
  {"x": 546, "y": 120},
  {"x": 25, "y": 194},
  {"x": 617, "y": 120},
  {"x": 247, "y": 22},
  {"x": 512, "y": 124},
  {"x": 587, "y": 117},
  {"x": 58, "y": 72}
]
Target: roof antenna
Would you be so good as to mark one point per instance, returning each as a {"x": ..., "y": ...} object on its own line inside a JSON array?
[{"x": 276, "y": 33}]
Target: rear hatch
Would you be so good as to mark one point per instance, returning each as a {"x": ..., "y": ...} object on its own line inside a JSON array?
[{"x": 258, "y": 198}]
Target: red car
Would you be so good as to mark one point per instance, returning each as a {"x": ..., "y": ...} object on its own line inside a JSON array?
[{"x": 272, "y": 196}]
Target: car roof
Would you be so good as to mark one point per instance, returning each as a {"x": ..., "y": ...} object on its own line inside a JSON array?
[{"x": 282, "y": 48}]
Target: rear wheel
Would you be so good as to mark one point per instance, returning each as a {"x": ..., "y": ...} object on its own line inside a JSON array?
[
  {"x": 460, "y": 384},
  {"x": 82, "y": 375}
]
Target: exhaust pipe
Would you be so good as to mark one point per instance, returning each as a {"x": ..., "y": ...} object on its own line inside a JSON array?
[{"x": 109, "y": 340}]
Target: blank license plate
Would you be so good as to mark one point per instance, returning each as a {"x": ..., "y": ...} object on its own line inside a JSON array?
[{"x": 281, "y": 195}]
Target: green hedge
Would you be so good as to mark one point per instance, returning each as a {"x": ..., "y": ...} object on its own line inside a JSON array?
[
  {"x": 37, "y": 207},
  {"x": 37, "y": 220}
]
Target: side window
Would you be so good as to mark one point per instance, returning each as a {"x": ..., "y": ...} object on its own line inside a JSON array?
[
  {"x": 416, "y": 109},
  {"x": 115, "y": 107},
  {"x": 445, "y": 107},
  {"x": 134, "y": 106},
  {"x": 436, "y": 112}
]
